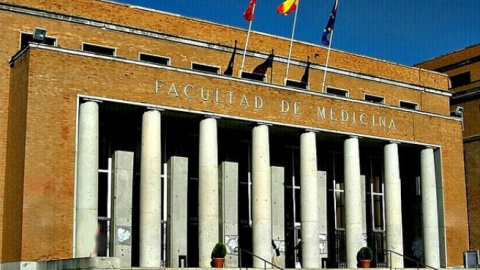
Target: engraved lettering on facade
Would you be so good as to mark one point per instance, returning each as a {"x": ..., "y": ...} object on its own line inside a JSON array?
[
  {"x": 185, "y": 90},
  {"x": 296, "y": 108},
  {"x": 344, "y": 116},
  {"x": 392, "y": 124},
  {"x": 258, "y": 102},
  {"x": 321, "y": 112},
  {"x": 230, "y": 97},
  {"x": 173, "y": 89},
  {"x": 217, "y": 99},
  {"x": 362, "y": 119},
  {"x": 332, "y": 114},
  {"x": 204, "y": 94},
  {"x": 244, "y": 102},
  {"x": 381, "y": 121},
  {"x": 285, "y": 106},
  {"x": 227, "y": 97},
  {"x": 158, "y": 85}
]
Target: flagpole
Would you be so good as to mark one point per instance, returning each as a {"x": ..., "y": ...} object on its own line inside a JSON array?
[
  {"x": 246, "y": 42},
  {"x": 291, "y": 40},
  {"x": 326, "y": 62}
]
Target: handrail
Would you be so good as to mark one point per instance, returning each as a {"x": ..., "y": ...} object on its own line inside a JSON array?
[
  {"x": 408, "y": 258},
  {"x": 240, "y": 250}
]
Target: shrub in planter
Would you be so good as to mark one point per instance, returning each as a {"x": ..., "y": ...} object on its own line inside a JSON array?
[
  {"x": 218, "y": 255},
  {"x": 364, "y": 257}
]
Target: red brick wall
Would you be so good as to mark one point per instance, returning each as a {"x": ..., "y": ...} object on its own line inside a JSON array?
[
  {"x": 15, "y": 162},
  {"x": 471, "y": 117},
  {"x": 471, "y": 132},
  {"x": 472, "y": 171}
]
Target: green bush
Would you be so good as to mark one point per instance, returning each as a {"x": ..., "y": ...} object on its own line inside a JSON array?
[
  {"x": 365, "y": 253},
  {"x": 219, "y": 251}
]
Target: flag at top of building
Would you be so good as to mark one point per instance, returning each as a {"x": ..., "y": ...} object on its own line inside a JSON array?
[
  {"x": 248, "y": 15},
  {"x": 330, "y": 24},
  {"x": 286, "y": 7},
  {"x": 249, "y": 12}
]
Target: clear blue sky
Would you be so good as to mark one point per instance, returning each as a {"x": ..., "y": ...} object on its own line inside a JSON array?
[{"x": 401, "y": 31}]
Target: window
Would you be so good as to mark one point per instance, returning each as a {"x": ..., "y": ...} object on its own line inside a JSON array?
[
  {"x": 205, "y": 68},
  {"x": 408, "y": 105},
  {"x": 297, "y": 84},
  {"x": 154, "y": 59},
  {"x": 253, "y": 76},
  {"x": 26, "y": 38},
  {"x": 460, "y": 79},
  {"x": 337, "y": 92},
  {"x": 374, "y": 99},
  {"x": 98, "y": 49}
]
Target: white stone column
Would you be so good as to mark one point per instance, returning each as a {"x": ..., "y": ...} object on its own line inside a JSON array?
[
  {"x": 150, "y": 226},
  {"x": 261, "y": 196},
  {"x": 353, "y": 201},
  {"x": 393, "y": 204},
  {"x": 87, "y": 181},
  {"x": 208, "y": 195},
  {"x": 309, "y": 201},
  {"x": 431, "y": 240}
]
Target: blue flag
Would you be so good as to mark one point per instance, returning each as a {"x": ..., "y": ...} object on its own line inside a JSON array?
[{"x": 330, "y": 24}]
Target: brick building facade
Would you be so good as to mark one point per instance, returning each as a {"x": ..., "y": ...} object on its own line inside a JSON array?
[
  {"x": 120, "y": 127},
  {"x": 463, "y": 69}
]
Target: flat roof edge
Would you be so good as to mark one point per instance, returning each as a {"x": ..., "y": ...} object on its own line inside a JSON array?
[{"x": 316, "y": 46}]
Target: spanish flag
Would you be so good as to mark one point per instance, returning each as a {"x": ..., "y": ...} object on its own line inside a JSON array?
[{"x": 286, "y": 7}]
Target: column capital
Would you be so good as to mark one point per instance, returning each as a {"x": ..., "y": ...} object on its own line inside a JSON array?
[
  {"x": 92, "y": 100},
  {"x": 212, "y": 116},
  {"x": 264, "y": 124},
  {"x": 154, "y": 109},
  {"x": 353, "y": 137},
  {"x": 394, "y": 142},
  {"x": 311, "y": 130}
]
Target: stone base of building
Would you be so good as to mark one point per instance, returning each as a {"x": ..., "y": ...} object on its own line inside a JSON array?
[
  {"x": 100, "y": 263},
  {"x": 67, "y": 264}
]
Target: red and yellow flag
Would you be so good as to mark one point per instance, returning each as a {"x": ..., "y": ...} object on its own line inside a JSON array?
[{"x": 286, "y": 7}]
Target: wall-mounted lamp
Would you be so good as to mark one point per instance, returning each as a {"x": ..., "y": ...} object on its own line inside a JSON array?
[
  {"x": 39, "y": 35},
  {"x": 458, "y": 112}
]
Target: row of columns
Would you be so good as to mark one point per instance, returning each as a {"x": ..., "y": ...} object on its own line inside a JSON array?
[{"x": 208, "y": 211}]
